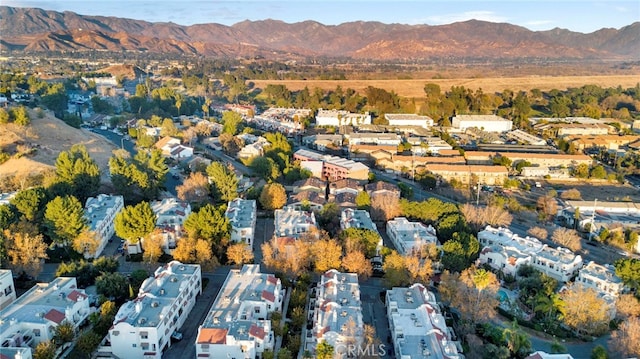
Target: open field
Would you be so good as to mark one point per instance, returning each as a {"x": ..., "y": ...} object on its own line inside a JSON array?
[{"x": 414, "y": 87}]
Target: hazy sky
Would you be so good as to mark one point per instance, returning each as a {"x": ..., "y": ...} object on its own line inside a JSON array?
[{"x": 576, "y": 15}]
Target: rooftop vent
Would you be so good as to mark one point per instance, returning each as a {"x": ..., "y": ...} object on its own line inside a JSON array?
[
  {"x": 142, "y": 320},
  {"x": 154, "y": 304}
]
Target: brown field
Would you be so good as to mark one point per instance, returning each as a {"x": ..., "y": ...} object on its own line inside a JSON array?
[{"x": 414, "y": 87}]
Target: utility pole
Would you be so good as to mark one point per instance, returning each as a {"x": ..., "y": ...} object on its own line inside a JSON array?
[
  {"x": 478, "y": 194},
  {"x": 593, "y": 218}
]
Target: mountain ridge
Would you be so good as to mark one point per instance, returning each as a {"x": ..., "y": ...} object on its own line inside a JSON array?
[{"x": 38, "y": 30}]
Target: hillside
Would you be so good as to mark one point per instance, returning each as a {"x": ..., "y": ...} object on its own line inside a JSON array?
[
  {"x": 37, "y": 30},
  {"x": 50, "y": 136}
]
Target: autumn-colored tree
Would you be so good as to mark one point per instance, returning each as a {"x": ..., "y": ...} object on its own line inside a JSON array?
[
  {"x": 239, "y": 253},
  {"x": 290, "y": 258},
  {"x": 420, "y": 269},
  {"x": 153, "y": 247},
  {"x": 64, "y": 333},
  {"x": 189, "y": 134},
  {"x": 627, "y": 305},
  {"x": 356, "y": 262},
  {"x": 326, "y": 255},
  {"x": 384, "y": 207},
  {"x": 395, "y": 270},
  {"x": 547, "y": 207},
  {"x": 479, "y": 217},
  {"x": 584, "y": 311},
  {"x": 45, "y": 350},
  {"x": 538, "y": 232},
  {"x": 26, "y": 252},
  {"x": 473, "y": 292},
  {"x": 194, "y": 189},
  {"x": 626, "y": 340},
  {"x": 572, "y": 194},
  {"x": 273, "y": 196},
  {"x": 324, "y": 350},
  {"x": 87, "y": 242},
  {"x": 568, "y": 238},
  {"x": 192, "y": 250}
]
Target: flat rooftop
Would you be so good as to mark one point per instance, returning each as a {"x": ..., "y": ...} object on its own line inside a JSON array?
[{"x": 241, "y": 212}]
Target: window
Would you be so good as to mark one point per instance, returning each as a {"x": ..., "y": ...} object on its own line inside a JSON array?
[
  {"x": 115, "y": 333},
  {"x": 144, "y": 335},
  {"x": 36, "y": 332},
  {"x": 144, "y": 346},
  {"x": 8, "y": 290},
  {"x": 257, "y": 310},
  {"x": 134, "y": 345}
]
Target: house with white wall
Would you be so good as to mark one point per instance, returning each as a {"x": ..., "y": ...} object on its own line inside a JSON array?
[
  {"x": 602, "y": 278},
  {"x": 409, "y": 236},
  {"x": 237, "y": 324},
  {"x": 7, "y": 288},
  {"x": 142, "y": 328},
  {"x": 242, "y": 214},
  {"x": 408, "y": 119},
  {"x": 170, "y": 216},
  {"x": 100, "y": 213},
  {"x": 341, "y": 118}
]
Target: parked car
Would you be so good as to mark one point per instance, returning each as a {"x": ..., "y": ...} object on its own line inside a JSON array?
[{"x": 176, "y": 336}]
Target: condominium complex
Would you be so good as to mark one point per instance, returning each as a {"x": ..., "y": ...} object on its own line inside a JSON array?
[
  {"x": 408, "y": 119},
  {"x": 7, "y": 288},
  {"x": 289, "y": 222},
  {"x": 356, "y": 218},
  {"x": 32, "y": 318},
  {"x": 602, "y": 278},
  {"x": 379, "y": 139},
  {"x": 100, "y": 213},
  {"x": 341, "y": 118},
  {"x": 242, "y": 216},
  {"x": 331, "y": 168},
  {"x": 407, "y": 236},
  {"x": 417, "y": 325},
  {"x": 488, "y": 123},
  {"x": 337, "y": 313},
  {"x": 237, "y": 325},
  {"x": 170, "y": 216}
]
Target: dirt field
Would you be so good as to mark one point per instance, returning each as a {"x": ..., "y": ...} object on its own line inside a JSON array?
[
  {"x": 414, "y": 87},
  {"x": 53, "y": 136}
]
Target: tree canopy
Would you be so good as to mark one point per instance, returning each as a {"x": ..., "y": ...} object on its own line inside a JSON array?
[
  {"x": 224, "y": 182},
  {"x": 135, "y": 222},
  {"x": 273, "y": 196},
  {"x": 64, "y": 219},
  {"x": 79, "y": 171}
]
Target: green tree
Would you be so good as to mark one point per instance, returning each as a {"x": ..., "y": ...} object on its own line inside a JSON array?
[
  {"x": 230, "y": 122},
  {"x": 64, "y": 333},
  {"x": 88, "y": 342},
  {"x": 30, "y": 203},
  {"x": 581, "y": 171},
  {"x": 517, "y": 340},
  {"x": 363, "y": 201},
  {"x": 460, "y": 251},
  {"x": 265, "y": 167},
  {"x": 135, "y": 222},
  {"x": 168, "y": 128},
  {"x": 324, "y": 350},
  {"x": 76, "y": 168},
  {"x": 628, "y": 269},
  {"x": 224, "y": 181},
  {"x": 45, "y": 350},
  {"x": 598, "y": 172},
  {"x": 64, "y": 219},
  {"x": 20, "y": 116},
  {"x": 4, "y": 116},
  {"x": 112, "y": 285},
  {"x": 142, "y": 176},
  {"x": 211, "y": 224},
  {"x": 273, "y": 196},
  {"x": 366, "y": 239},
  {"x": 599, "y": 352},
  {"x": 7, "y": 217}
]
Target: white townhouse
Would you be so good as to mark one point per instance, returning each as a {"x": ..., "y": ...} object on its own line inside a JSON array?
[
  {"x": 237, "y": 325},
  {"x": 100, "y": 213},
  {"x": 602, "y": 278},
  {"x": 242, "y": 216},
  {"x": 408, "y": 119},
  {"x": 417, "y": 325},
  {"x": 408, "y": 236},
  {"x": 170, "y": 216},
  {"x": 7, "y": 288},
  {"x": 341, "y": 118},
  {"x": 143, "y": 327},
  {"x": 337, "y": 313},
  {"x": 357, "y": 218},
  {"x": 33, "y": 318},
  {"x": 487, "y": 123},
  {"x": 558, "y": 263},
  {"x": 290, "y": 222}
]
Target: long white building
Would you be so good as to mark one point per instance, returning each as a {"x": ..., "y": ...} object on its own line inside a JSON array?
[
  {"x": 418, "y": 328},
  {"x": 242, "y": 216},
  {"x": 7, "y": 288},
  {"x": 32, "y": 318},
  {"x": 341, "y": 118},
  {"x": 408, "y": 119},
  {"x": 143, "y": 327},
  {"x": 407, "y": 236},
  {"x": 602, "y": 278},
  {"x": 237, "y": 325},
  {"x": 100, "y": 213},
  {"x": 487, "y": 123},
  {"x": 337, "y": 314}
]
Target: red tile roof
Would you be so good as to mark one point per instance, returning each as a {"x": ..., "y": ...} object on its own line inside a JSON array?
[
  {"x": 256, "y": 331},
  {"x": 212, "y": 336},
  {"x": 55, "y": 316},
  {"x": 75, "y": 296},
  {"x": 272, "y": 279},
  {"x": 268, "y": 296}
]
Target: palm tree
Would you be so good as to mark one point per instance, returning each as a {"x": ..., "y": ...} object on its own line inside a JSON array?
[{"x": 517, "y": 341}]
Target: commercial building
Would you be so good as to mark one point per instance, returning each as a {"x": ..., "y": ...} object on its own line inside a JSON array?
[
  {"x": 337, "y": 312},
  {"x": 602, "y": 278},
  {"x": 408, "y": 119},
  {"x": 417, "y": 325},
  {"x": 143, "y": 327},
  {"x": 33, "y": 318},
  {"x": 237, "y": 325},
  {"x": 100, "y": 213},
  {"x": 487, "y": 123},
  {"x": 7, "y": 288},
  {"x": 408, "y": 236},
  {"x": 341, "y": 118},
  {"x": 331, "y": 168},
  {"x": 170, "y": 216},
  {"x": 242, "y": 214}
]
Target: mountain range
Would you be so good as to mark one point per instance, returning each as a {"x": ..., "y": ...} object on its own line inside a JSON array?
[{"x": 37, "y": 30}]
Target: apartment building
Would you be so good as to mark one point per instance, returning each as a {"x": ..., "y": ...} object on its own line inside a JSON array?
[
  {"x": 369, "y": 138},
  {"x": 337, "y": 312},
  {"x": 321, "y": 142},
  {"x": 332, "y": 168},
  {"x": 242, "y": 214},
  {"x": 408, "y": 236},
  {"x": 526, "y": 138},
  {"x": 485, "y": 175},
  {"x": 237, "y": 325},
  {"x": 7, "y": 288},
  {"x": 408, "y": 119},
  {"x": 100, "y": 213},
  {"x": 307, "y": 200},
  {"x": 538, "y": 159},
  {"x": 33, "y": 318},
  {"x": 356, "y": 218},
  {"x": 408, "y": 164},
  {"x": 379, "y": 188},
  {"x": 558, "y": 263},
  {"x": 143, "y": 327},
  {"x": 602, "y": 278},
  {"x": 417, "y": 325},
  {"x": 341, "y": 118},
  {"x": 312, "y": 184},
  {"x": 487, "y": 123},
  {"x": 346, "y": 185},
  {"x": 290, "y": 222},
  {"x": 285, "y": 120},
  {"x": 170, "y": 216}
]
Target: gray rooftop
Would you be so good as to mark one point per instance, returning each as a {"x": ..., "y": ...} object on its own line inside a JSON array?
[
  {"x": 241, "y": 212},
  {"x": 97, "y": 208}
]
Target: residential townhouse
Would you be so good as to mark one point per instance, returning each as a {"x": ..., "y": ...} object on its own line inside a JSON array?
[
  {"x": 378, "y": 139},
  {"x": 544, "y": 355},
  {"x": 254, "y": 149},
  {"x": 409, "y": 236},
  {"x": 526, "y": 138},
  {"x": 100, "y": 213},
  {"x": 33, "y": 317},
  {"x": 7, "y": 288},
  {"x": 321, "y": 141},
  {"x": 486, "y": 175},
  {"x": 143, "y": 327},
  {"x": 171, "y": 147},
  {"x": 341, "y": 118},
  {"x": 417, "y": 325},
  {"x": 344, "y": 200},
  {"x": 356, "y": 218},
  {"x": 371, "y": 153},
  {"x": 487, "y": 123},
  {"x": 242, "y": 214},
  {"x": 538, "y": 159},
  {"x": 307, "y": 200},
  {"x": 408, "y": 119},
  {"x": 170, "y": 216},
  {"x": 285, "y": 120},
  {"x": 237, "y": 325},
  {"x": 291, "y": 223},
  {"x": 602, "y": 278},
  {"x": 312, "y": 184},
  {"x": 332, "y": 168},
  {"x": 346, "y": 185},
  {"x": 608, "y": 142},
  {"x": 337, "y": 313},
  {"x": 244, "y": 110},
  {"x": 379, "y": 188},
  {"x": 429, "y": 145}
]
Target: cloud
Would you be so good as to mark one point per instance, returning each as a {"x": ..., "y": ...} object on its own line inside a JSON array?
[{"x": 464, "y": 16}]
